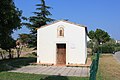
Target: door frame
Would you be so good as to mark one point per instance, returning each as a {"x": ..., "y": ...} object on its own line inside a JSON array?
[{"x": 65, "y": 52}]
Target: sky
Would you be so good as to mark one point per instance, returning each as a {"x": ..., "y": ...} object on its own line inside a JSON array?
[{"x": 101, "y": 14}]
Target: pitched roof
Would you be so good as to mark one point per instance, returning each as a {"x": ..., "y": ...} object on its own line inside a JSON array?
[{"x": 66, "y": 22}]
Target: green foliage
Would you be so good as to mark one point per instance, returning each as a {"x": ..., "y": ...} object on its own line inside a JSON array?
[
  {"x": 24, "y": 38},
  {"x": 93, "y": 44},
  {"x": 33, "y": 40},
  {"x": 28, "y": 39},
  {"x": 41, "y": 18},
  {"x": 10, "y": 19},
  {"x": 6, "y": 65},
  {"x": 99, "y": 35},
  {"x": 26, "y": 76},
  {"x": 106, "y": 48},
  {"x": 7, "y": 43},
  {"x": 117, "y": 49},
  {"x": 110, "y": 47},
  {"x": 91, "y": 34}
]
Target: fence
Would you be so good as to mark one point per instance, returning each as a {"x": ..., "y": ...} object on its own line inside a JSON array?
[{"x": 94, "y": 67}]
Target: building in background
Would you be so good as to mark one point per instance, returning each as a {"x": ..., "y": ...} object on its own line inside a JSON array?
[{"x": 118, "y": 41}]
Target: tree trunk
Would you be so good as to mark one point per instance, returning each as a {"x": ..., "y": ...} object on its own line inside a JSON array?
[
  {"x": 2, "y": 55},
  {"x": 18, "y": 53},
  {"x": 10, "y": 55}
]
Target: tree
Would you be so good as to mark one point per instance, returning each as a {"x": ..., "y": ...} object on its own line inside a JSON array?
[
  {"x": 41, "y": 18},
  {"x": 10, "y": 19},
  {"x": 24, "y": 38},
  {"x": 91, "y": 34},
  {"x": 97, "y": 37},
  {"x": 93, "y": 44},
  {"x": 7, "y": 44},
  {"x": 100, "y": 35}
]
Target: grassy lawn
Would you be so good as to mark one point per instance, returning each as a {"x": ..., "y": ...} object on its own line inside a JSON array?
[
  {"x": 10, "y": 64},
  {"x": 109, "y": 68},
  {"x": 24, "y": 76}
]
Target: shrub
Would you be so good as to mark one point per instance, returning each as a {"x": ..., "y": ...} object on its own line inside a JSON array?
[
  {"x": 106, "y": 48},
  {"x": 117, "y": 49}
]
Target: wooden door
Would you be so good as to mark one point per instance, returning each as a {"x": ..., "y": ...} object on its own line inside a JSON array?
[{"x": 61, "y": 54}]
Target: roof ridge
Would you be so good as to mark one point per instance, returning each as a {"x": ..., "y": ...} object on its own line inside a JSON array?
[{"x": 63, "y": 21}]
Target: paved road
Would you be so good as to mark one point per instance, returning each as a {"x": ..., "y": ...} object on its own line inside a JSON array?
[
  {"x": 117, "y": 56},
  {"x": 54, "y": 70}
]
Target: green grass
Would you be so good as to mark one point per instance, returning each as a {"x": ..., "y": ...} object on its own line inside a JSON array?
[
  {"x": 10, "y": 64},
  {"x": 24, "y": 76},
  {"x": 15, "y": 63}
]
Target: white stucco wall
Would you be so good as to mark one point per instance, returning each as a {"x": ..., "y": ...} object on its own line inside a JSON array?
[{"x": 74, "y": 36}]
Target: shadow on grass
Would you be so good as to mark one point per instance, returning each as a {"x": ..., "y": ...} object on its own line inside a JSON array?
[
  {"x": 55, "y": 78},
  {"x": 11, "y": 64}
]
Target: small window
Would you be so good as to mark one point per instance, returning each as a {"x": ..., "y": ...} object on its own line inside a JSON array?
[{"x": 60, "y": 32}]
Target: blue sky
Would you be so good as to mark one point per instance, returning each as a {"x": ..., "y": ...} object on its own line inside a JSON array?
[{"x": 102, "y": 14}]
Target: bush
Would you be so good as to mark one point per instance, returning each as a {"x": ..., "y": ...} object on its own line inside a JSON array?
[
  {"x": 117, "y": 49},
  {"x": 106, "y": 48}
]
